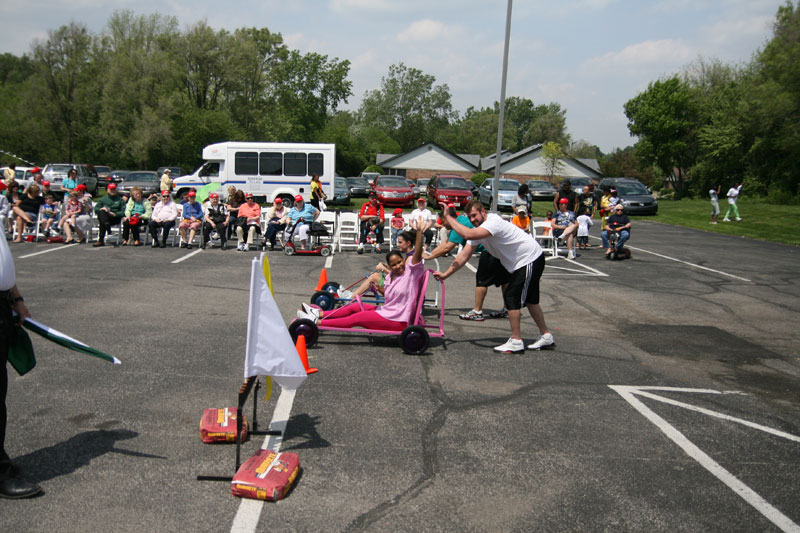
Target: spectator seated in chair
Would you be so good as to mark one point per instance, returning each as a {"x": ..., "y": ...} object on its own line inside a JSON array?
[
  {"x": 191, "y": 219},
  {"x": 109, "y": 210},
  {"x": 275, "y": 222},
  {"x": 217, "y": 219},
  {"x": 164, "y": 215},
  {"x": 137, "y": 215},
  {"x": 26, "y": 209},
  {"x": 249, "y": 220},
  {"x": 295, "y": 230},
  {"x": 371, "y": 218}
]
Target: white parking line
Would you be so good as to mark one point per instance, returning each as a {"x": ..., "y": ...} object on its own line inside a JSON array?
[
  {"x": 48, "y": 250},
  {"x": 246, "y": 519},
  {"x": 187, "y": 256},
  {"x": 739, "y": 488},
  {"x": 329, "y": 261},
  {"x": 684, "y": 262}
]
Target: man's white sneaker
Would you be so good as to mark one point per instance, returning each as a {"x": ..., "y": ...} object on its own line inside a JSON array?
[
  {"x": 571, "y": 254},
  {"x": 511, "y": 346},
  {"x": 472, "y": 315},
  {"x": 544, "y": 342},
  {"x": 726, "y": 219},
  {"x": 313, "y": 311}
]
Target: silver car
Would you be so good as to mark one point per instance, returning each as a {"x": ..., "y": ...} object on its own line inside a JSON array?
[
  {"x": 505, "y": 196},
  {"x": 56, "y": 172}
]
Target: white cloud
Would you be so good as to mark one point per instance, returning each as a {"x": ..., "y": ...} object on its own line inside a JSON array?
[
  {"x": 360, "y": 5},
  {"x": 660, "y": 54},
  {"x": 427, "y": 30},
  {"x": 725, "y": 32}
]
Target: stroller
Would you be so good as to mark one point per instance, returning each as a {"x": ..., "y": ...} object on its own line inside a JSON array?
[{"x": 315, "y": 247}]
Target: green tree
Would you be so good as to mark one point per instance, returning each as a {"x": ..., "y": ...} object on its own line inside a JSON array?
[
  {"x": 476, "y": 133},
  {"x": 553, "y": 155},
  {"x": 549, "y": 124},
  {"x": 663, "y": 117},
  {"x": 408, "y": 106}
]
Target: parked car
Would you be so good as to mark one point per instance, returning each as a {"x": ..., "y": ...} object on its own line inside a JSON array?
[
  {"x": 635, "y": 196},
  {"x": 147, "y": 180},
  {"x": 393, "y": 190},
  {"x": 508, "y": 188},
  {"x": 118, "y": 176},
  {"x": 541, "y": 190},
  {"x": 56, "y": 172},
  {"x": 422, "y": 187},
  {"x": 174, "y": 172},
  {"x": 341, "y": 193},
  {"x": 103, "y": 173},
  {"x": 359, "y": 187},
  {"x": 577, "y": 184},
  {"x": 24, "y": 176},
  {"x": 448, "y": 189}
]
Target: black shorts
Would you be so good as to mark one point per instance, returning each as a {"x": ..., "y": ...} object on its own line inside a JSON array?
[
  {"x": 490, "y": 272},
  {"x": 523, "y": 285}
]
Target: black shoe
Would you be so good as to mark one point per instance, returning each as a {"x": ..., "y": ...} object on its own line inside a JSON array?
[
  {"x": 155, "y": 244},
  {"x": 184, "y": 245},
  {"x": 202, "y": 246},
  {"x": 224, "y": 246},
  {"x": 189, "y": 246},
  {"x": 98, "y": 244},
  {"x": 14, "y": 488},
  {"x": 163, "y": 245}
]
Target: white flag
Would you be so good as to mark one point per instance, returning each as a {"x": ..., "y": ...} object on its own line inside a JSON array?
[{"x": 269, "y": 350}]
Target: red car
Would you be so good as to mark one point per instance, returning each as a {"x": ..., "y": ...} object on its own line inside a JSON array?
[
  {"x": 446, "y": 189},
  {"x": 393, "y": 190}
]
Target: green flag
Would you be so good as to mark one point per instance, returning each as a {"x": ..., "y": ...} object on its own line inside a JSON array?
[
  {"x": 66, "y": 341},
  {"x": 205, "y": 190},
  {"x": 20, "y": 351}
]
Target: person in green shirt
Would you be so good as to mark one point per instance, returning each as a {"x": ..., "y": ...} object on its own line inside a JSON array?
[{"x": 109, "y": 210}]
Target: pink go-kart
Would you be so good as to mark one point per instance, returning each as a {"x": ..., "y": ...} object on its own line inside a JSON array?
[{"x": 414, "y": 339}]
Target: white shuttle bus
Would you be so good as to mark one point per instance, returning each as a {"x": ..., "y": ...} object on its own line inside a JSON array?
[{"x": 268, "y": 170}]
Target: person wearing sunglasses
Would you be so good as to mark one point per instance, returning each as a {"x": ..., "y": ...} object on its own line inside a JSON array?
[
  {"x": 617, "y": 222},
  {"x": 164, "y": 215}
]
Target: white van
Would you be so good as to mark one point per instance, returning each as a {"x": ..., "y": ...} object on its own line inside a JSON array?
[{"x": 268, "y": 170}]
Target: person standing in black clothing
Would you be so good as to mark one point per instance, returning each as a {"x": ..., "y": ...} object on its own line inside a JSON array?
[{"x": 11, "y": 301}]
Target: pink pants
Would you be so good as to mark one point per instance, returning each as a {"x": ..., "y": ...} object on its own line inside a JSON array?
[{"x": 356, "y": 314}]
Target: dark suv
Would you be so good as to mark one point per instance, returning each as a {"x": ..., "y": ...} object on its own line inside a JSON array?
[
  {"x": 448, "y": 189},
  {"x": 636, "y": 198}
]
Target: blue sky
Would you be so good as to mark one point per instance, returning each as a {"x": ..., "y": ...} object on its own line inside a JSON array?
[{"x": 591, "y": 56}]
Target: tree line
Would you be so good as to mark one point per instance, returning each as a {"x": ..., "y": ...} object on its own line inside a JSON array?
[
  {"x": 722, "y": 123},
  {"x": 143, "y": 93}
]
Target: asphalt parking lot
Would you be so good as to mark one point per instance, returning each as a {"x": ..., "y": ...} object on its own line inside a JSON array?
[{"x": 669, "y": 404}]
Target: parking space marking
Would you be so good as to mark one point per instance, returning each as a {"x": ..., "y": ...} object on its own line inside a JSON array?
[
  {"x": 246, "y": 519},
  {"x": 582, "y": 271},
  {"x": 187, "y": 256},
  {"x": 685, "y": 262},
  {"x": 48, "y": 250},
  {"x": 746, "y": 493},
  {"x": 329, "y": 261}
]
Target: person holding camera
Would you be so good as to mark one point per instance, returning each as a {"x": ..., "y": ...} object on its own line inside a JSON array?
[{"x": 217, "y": 218}]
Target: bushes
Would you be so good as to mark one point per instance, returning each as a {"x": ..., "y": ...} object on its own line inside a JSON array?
[
  {"x": 479, "y": 178},
  {"x": 779, "y": 197},
  {"x": 373, "y": 168}
]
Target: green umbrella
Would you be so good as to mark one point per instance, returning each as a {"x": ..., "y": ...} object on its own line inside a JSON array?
[{"x": 205, "y": 190}]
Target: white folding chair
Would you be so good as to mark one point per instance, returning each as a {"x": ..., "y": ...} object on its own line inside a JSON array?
[
  {"x": 328, "y": 218},
  {"x": 547, "y": 241},
  {"x": 347, "y": 232},
  {"x": 28, "y": 230}
]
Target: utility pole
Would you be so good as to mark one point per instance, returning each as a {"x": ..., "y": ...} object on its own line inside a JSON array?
[{"x": 496, "y": 188}]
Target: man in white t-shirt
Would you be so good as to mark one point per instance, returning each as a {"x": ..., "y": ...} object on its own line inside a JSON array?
[
  {"x": 421, "y": 212},
  {"x": 520, "y": 255}
]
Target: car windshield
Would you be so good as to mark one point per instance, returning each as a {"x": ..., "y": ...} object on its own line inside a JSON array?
[
  {"x": 423, "y": 182},
  {"x": 340, "y": 182},
  {"x": 509, "y": 185},
  {"x": 357, "y": 182},
  {"x": 61, "y": 169},
  {"x": 141, "y": 176},
  {"x": 453, "y": 183},
  {"x": 579, "y": 183},
  {"x": 631, "y": 189},
  {"x": 102, "y": 169},
  {"x": 539, "y": 185},
  {"x": 120, "y": 173},
  {"x": 392, "y": 182}
]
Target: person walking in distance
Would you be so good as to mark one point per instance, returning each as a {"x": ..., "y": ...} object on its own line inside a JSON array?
[
  {"x": 520, "y": 255},
  {"x": 733, "y": 209}
]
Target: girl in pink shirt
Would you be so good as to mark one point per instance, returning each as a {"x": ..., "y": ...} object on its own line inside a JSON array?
[{"x": 401, "y": 293}]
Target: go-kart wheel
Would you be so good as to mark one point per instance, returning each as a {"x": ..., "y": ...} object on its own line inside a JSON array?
[
  {"x": 325, "y": 251},
  {"x": 288, "y": 248},
  {"x": 626, "y": 254},
  {"x": 306, "y": 328},
  {"x": 324, "y": 300},
  {"x": 331, "y": 286},
  {"x": 414, "y": 340}
]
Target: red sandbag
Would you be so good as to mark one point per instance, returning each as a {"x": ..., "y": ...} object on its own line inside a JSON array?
[
  {"x": 266, "y": 475},
  {"x": 219, "y": 425}
]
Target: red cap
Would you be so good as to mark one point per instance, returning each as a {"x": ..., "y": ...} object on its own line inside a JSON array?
[
  {"x": 451, "y": 205},
  {"x": 45, "y": 183},
  {"x": 112, "y": 186},
  {"x": 213, "y": 195},
  {"x": 248, "y": 195},
  {"x": 421, "y": 199},
  {"x": 398, "y": 211},
  {"x": 298, "y": 198},
  {"x": 190, "y": 194},
  {"x": 34, "y": 170},
  {"x": 278, "y": 200},
  {"x": 82, "y": 187},
  {"x": 164, "y": 192},
  {"x": 564, "y": 201},
  {"x": 3, "y": 186}
]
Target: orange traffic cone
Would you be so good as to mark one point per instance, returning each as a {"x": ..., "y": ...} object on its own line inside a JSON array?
[
  {"x": 323, "y": 279},
  {"x": 301, "y": 351}
]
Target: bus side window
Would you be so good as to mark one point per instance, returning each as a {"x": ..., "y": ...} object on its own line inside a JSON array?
[{"x": 315, "y": 165}]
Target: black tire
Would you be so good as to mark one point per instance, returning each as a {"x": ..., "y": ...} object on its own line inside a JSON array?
[
  {"x": 288, "y": 248},
  {"x": 324, "y": 300},
  {"x": 287, "y": 200},
  {"x": 306, "y": 328},
  {"x": 325, "y": 251},
  {"x": 331, "y": 286},
  {"x": 415, "y": 340}
]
